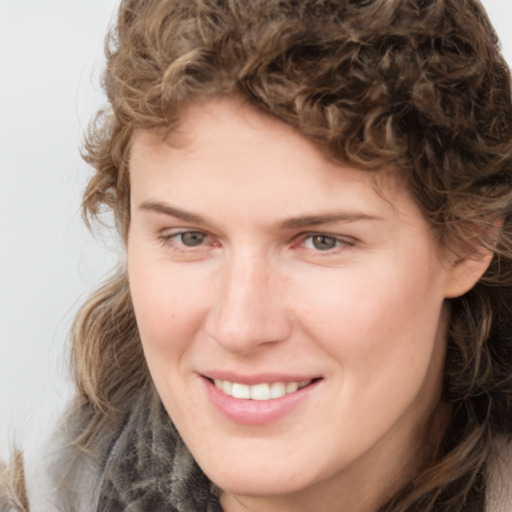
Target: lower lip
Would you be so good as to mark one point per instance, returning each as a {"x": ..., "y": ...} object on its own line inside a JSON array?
[{"x": 256, "y": 412}]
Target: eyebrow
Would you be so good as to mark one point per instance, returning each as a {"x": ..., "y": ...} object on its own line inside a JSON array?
[
  {"x": 154, "y": 206},
  {"x": 292, "y": 223},
  {"x": 327, "y": 218}
]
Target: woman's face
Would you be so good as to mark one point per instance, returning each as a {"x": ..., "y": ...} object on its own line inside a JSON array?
[{"x": 289, "y": 308}]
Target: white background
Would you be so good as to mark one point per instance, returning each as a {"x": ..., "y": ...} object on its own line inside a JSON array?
[
  {"x": 51, "y": 57},
  {"x": 50, "y": 61}
]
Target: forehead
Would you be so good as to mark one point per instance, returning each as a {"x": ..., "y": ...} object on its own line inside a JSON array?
[{"x": 231, "y": 149}]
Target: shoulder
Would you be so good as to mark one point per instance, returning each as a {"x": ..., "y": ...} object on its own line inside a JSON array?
[
  {"x": 172, "y": 481},
  {"x": 115, "y": 474},
  {"x": 499, "y": 485},
  {"x": 5, "y": 501},
  {"x": 60, "y": 477}
]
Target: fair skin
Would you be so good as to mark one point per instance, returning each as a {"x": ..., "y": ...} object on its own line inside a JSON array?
[{"x": 255, "y": 260}]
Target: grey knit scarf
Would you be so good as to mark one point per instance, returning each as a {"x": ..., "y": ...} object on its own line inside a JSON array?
[{"x": 150, "y": 469}]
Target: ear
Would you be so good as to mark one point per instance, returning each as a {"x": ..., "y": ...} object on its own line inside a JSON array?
[{"x": 465, "y": 273}]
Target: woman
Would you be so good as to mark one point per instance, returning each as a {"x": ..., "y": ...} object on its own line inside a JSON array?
[{"x": 313, "y": 314}]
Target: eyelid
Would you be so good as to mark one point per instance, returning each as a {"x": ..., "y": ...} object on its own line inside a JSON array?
[
  {"x": 168, "y": 237},
  {"x": 344, "y": 242}
]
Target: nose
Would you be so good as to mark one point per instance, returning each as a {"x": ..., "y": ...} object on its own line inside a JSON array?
[{"x": 250, "y": 310}]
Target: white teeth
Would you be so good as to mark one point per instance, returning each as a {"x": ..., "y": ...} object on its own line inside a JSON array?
[
  {"x": 277, "y": 390},
  {"x": 227, "y": 387},
  {"x": 263, "y": 391},
  {"x": 260, "y": 392},
  {"x": 291, "y": 387},
  {"x": 241, "y": 391}
]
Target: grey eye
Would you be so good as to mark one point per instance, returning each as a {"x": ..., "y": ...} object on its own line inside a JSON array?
[
  {"x": 323, "y": 242},
  {"x": 192, "y": 238}
]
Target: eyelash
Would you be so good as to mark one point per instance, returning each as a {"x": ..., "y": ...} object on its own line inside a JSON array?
[
  {"x": 169, "y": 238},
  {"x": 340, "y": 243}
]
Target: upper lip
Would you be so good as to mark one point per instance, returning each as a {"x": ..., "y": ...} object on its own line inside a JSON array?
[{"x": 257, "y": 378}]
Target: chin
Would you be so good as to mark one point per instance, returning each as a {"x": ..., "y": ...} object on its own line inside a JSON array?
[
  {"x": 250, "y": 483},
  {"x": 259, "y": 478}
]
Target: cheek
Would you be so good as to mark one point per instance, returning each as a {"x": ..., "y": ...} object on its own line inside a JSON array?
[
  {"x": 371, "y": 318},
  {"x": 382, "y": 335},
  {"x": 169, "y": 305}
]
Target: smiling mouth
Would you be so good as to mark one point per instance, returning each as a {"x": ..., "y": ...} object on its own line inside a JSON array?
[{"x": 262, "y": 391}]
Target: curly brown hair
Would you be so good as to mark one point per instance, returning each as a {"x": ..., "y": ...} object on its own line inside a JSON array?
[{"x": 414, "y": 85}]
